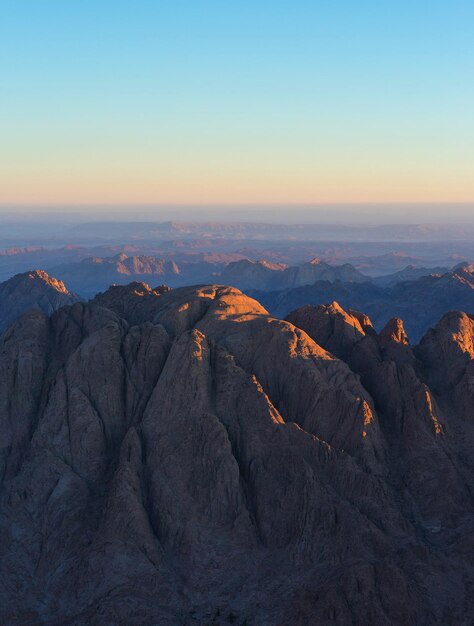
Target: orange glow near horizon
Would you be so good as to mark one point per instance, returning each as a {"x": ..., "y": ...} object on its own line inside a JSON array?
[
  {"x": 227, "y": 186},
  {"x": 247, "y": 103}
]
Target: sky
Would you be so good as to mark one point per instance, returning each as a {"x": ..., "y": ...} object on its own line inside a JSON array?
[{"x": 203, "y": 102}]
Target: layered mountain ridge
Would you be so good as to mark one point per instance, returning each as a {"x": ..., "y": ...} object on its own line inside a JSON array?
[
  {"x": 181, "y": 456},
  {"x": 95, "y": 274},
  {"x": 420, "y": 302},
  {"x": 248, "y": 274},
  {"x": 420, "y": 296}
]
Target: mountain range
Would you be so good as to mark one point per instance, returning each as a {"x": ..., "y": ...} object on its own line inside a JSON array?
[
  {"x": 182, "y": 456},
  {"x": 419, "y": 302},
  {"x": 94, "y": 274},
  {"x": 247, "y": 274},
  {"x": 416, "y": 295}
]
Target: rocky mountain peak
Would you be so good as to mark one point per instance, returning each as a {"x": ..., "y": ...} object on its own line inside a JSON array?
[
  {"x": 31, "y": 290},
  {"x": 456, "y": 331},
  {"x": 330, "y": 326},
  {"x": 41, "y": 277},
  {"x": 394, "y": 332},
  {"x": 181, "y": 456},
  {"x": 134, "y": 302}
]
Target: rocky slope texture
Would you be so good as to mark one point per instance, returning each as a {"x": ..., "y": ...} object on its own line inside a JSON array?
[
  {"x": 182, "y": 457},
  {"x": 31, "y": 290},
  {"x": 420, "y": 303}
]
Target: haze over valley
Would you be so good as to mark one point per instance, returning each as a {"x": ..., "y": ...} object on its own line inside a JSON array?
[{"x": 416, "y": 272}]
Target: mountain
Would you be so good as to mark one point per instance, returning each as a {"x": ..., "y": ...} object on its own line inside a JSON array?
[
  {"x": 181, "y": 456},
  {"x": 366, "y": 296},
  {"x": 246, "y": 274},
  {"x": 31, "y": 290},
  {"x": 21, "y": 259},
  {"x": 415, "y": 414},
  {"x": 315, "y": 270},
  {"x": 95, "y": 274},
  {"x": 407, "y": 274},
  {"x": 420, "y": 303}
]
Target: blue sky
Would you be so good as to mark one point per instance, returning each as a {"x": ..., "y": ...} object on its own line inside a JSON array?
[{"x": 236, "y": 102}]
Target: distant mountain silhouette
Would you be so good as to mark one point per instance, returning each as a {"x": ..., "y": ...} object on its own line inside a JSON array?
[
  {"x": 408, "y": 273},
  {"x": 95, "y": 274},
  {"x": 263, "y": 275}
]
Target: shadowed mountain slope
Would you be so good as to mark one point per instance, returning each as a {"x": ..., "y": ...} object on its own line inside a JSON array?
[
  {"x": 420, "y": 303},
  {"x": 31, "y": 290},
  {"x": 95, "y": 274},
  {"x": 178, "y": 457},
  {"x": 408, "y": 273},
  {"x": 248, "y": 274}
]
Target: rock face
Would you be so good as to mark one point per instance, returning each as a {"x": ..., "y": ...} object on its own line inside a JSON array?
[
  {"x": 447, "y": 353},
  {"x": 410, "y": 416},
  {"x": 31, "y": 290},
  {"x": 180, "y": 457}
]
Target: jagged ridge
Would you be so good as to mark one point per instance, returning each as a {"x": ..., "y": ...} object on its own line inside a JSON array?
[{"x": 174, "y": 456}]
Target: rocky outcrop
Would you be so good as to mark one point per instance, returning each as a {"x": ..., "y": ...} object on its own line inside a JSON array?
[
  {"x": 135, "y": 302},
  {"x": 181, "y": 456},
  {"x": 31, "y": 290},
  {"x": 332, "y": 327},
  {"x": 409, "y": 410},
  {"x": 447, "y": 355}
]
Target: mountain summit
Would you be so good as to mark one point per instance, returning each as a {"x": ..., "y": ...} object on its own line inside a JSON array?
[
  {"x": 31, "y": 290},
  {"x": 181, "y": 456}
]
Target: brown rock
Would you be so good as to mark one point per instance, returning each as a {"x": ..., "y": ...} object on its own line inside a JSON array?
[
  {"x": 177, "y": 457},
  {"x": 34, "y": 290}
]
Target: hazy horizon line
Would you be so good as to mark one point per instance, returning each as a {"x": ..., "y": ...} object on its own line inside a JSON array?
[{"x": 357, "y": 213}]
